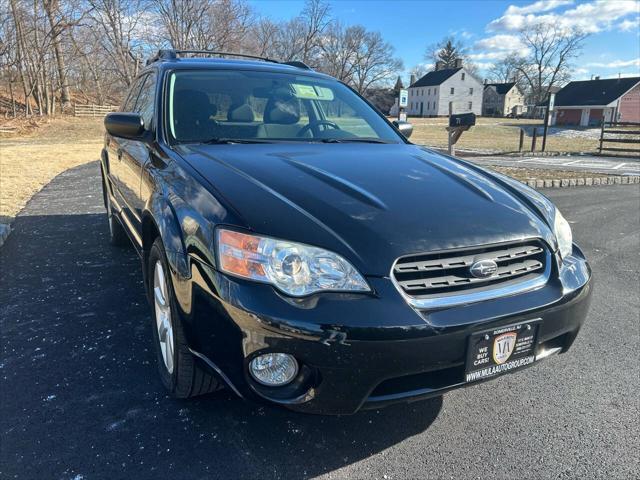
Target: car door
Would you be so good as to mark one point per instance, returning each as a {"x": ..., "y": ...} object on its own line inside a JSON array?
[
  {"x": 133, "y": 154},
  {"x": 115, "y": 150}
]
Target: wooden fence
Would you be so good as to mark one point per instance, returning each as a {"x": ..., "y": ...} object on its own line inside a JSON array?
[
  {"x": 93, "y": 110},
  {"x": 624, "y": 133}
]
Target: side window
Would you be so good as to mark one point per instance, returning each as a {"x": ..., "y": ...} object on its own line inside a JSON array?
[
  {"x": 462, "y": 75},
  {"x": 130, "y": 101},
  {"x": 146, "y": 101},
  {"x": 452, "y": 90}
]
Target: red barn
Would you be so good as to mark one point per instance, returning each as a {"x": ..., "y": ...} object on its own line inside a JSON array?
[{"x": 585, "y": 103}]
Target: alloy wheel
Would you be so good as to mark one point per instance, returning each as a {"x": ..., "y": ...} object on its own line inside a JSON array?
[{"x": 163, "y": 316}]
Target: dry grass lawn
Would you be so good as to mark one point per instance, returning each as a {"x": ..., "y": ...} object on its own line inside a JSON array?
[
  {"x": 503, "y": 135},
  {"x": 28, "y": 162}
]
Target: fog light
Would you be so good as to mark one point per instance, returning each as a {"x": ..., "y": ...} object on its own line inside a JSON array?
[{"x": 273, "y": 369}]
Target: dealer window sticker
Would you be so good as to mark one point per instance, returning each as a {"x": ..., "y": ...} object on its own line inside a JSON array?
[{"x": 312, "y": 92}]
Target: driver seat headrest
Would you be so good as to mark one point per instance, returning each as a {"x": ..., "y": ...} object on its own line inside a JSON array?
[{"x": 282, "y": 108}]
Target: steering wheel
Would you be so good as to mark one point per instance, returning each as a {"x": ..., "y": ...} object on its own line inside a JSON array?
[{"x": 313, "y": 126}]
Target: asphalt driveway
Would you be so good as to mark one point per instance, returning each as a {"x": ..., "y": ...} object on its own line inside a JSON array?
[{"x": 80, "y": 398}]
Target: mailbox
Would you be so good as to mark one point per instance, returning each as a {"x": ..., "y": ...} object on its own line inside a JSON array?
[{"x": 462, "y": 120}]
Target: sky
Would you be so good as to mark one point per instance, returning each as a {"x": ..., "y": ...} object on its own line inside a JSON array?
[{"x": 489, "y": 27}]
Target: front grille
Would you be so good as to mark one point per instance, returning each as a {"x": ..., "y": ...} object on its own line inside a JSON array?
[{"x": 449, "y": 272}]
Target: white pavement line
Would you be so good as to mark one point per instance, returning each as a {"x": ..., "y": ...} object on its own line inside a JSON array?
[
  {"x": 617, "y": 167},
  {"x": 572, "y": 162}
]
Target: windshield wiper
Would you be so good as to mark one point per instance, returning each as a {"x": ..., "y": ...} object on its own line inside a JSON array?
[
  {"x": 227, "y": 141},
  {"x": 353, "y": 140}
]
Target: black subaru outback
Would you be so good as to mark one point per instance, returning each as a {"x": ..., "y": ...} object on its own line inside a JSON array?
[{"x": 299, "y": 250}]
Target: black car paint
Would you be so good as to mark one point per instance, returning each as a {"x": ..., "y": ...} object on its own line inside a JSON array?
[{"x": 369, "y": 203}]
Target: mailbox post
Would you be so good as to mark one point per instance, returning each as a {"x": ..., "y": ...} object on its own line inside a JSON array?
[{"x": 458, "y": 123}]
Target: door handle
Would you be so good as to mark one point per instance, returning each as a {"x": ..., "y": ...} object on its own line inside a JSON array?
[{"x": 119, "y": 152}]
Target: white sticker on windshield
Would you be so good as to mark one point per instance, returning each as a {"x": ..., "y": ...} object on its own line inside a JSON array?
[{"x": 313, "y": 92}]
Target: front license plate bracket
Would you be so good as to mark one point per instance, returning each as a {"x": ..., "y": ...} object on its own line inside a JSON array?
[{"x": 501, "y": 350}]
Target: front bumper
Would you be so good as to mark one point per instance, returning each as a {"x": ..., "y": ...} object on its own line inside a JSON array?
[{"x": 363, "y": 351}]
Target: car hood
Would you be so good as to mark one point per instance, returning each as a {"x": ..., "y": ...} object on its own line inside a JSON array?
[{"x": 371, "y": 203}]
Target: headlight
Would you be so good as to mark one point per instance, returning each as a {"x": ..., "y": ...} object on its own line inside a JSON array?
[
  {"x": 562, "y": 231},
  {"x": 294, "y": 268}
]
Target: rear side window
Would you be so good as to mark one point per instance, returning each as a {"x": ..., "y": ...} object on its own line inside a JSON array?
[
  {"x": 146, "y": 101},
  {"x": 130, "y": 101}
]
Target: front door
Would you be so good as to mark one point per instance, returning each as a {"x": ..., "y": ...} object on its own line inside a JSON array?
[{"x": 130, "y": 157}]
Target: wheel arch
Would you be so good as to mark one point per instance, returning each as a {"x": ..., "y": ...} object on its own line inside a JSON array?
[{"x": 159, "y": 219}]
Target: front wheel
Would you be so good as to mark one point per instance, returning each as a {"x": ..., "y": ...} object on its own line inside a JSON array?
[
  {"x": 117, "y": 235},
  {"x": 179, "y": 372}
]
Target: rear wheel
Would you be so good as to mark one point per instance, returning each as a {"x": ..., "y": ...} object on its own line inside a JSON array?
[{"x": 179, "y": 371}]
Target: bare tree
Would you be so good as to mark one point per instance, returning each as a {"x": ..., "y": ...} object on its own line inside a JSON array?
[
  {"x": 54, "y": 52},
  {"x": 375, "y": 62},
  {"x": 57, "y": 25},
  {"x": 315, "y": 18},
  {"x": 116, "y": 26},
  {"x": 419, "y": 71},
  {"x": 340, "y": 51},
  {"x": 262, "y": 38},
  {"x": 548, "y": 63},
  {"x": 505, "y": 70},
  {"x": 182, "y": 21},
  {"x": 300, "y": 38}
]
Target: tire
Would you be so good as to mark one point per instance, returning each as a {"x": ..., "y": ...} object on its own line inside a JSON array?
[
  {"x": 182, "y": 376},
  {"x": 117, "y": 235}
]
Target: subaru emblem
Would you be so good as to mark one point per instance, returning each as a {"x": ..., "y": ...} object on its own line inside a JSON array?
[{"x": 484, "y": 268}]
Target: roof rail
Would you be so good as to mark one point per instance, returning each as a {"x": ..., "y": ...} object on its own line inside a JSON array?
[
  {"x": 295, "y": 63},
  {"x": 173, "y": 54}
]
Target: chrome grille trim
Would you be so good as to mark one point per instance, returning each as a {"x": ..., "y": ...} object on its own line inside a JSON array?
[
  {"x": 525, "y": 275},
  {"x": 467, "y": 260}
]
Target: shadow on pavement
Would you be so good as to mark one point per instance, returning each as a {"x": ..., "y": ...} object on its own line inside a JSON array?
[{"x": 80, "y": 397}]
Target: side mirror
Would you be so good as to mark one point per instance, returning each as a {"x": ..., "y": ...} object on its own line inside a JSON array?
[
  {"x": 405, "y": 128},
  {"x": 125, "y": 125}
]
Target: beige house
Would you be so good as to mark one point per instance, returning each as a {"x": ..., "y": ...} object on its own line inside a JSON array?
[{"x": 502, "y": 99}]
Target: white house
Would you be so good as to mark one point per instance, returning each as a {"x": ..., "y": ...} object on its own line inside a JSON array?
[{"x": 431, "y": 94}]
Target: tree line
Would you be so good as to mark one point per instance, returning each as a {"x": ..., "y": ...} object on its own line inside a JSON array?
[{"x": 55, "y": 52}]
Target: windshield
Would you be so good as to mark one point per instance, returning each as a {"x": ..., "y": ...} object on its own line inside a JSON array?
[{"x": 221, "y": 106}]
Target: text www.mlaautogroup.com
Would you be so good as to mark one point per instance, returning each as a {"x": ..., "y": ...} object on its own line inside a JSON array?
[{"x": 495, "y": 369}]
